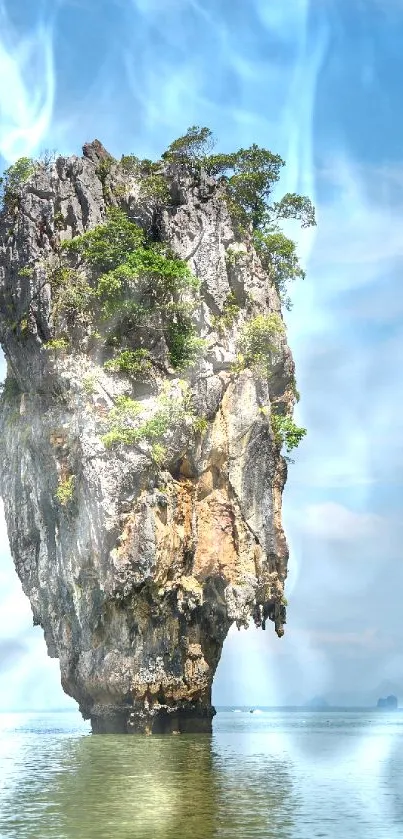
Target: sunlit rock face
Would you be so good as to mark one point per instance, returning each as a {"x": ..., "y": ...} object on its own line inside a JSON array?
[{"x": 137, "y": 577}]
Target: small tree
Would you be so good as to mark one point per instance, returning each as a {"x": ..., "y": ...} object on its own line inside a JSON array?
[
  {"x": 193, "y": 147},
  {"x": 251, "y": 175},
  {"x": 286, "y": 433},
  {"x": 256, "y": 171},
  {"x": 279, "y": 258},
  {"x": 294, "y": 206},
  {"x": 13, "y": 179}
]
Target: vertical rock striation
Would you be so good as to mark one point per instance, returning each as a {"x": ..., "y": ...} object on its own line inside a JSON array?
[{"x": 137, "y": 570}]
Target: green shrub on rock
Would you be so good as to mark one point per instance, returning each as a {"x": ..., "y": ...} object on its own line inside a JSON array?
[
  {"x": 259, "y": 343},
  {"x": 14, "y": 178},
  {"x": 136, "y": 284},
  {"x": 71, "y": 293},
  {"x": 227, "y": 318},
  {"x": 286, "y": 432},
  {"x": 152, "y": 181},
  {"x": 126, "y": 426},
  {"x": 120, "y": 422},
  {"x": 57, "y": 344},
  {"x": 136, "y": 363},
  {"x": 183, "y": 344},
  {"x": 279, "y": 258},
  {"x": 107, "y": 245},
  {"x": 65, "y": 490}
]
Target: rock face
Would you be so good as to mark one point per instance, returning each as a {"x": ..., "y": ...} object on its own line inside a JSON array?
[{"x": 138, "y": 574}]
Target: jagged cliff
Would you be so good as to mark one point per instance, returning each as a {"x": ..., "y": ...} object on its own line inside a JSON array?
[{"x": 137, "y": 556}]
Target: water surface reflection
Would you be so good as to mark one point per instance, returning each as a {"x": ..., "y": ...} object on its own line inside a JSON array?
[
  {"x": 186, "y": 787},
  {"x": 276, "y": 775}
]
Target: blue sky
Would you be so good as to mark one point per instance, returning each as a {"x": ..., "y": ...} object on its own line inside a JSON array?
[{"x": 320, "y": 83}]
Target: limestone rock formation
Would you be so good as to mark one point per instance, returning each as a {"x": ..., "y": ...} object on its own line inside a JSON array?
[{"x": 136, "y": 568}]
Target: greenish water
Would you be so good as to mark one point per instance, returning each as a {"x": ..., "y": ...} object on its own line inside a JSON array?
[{"x": 273, "y": 775}]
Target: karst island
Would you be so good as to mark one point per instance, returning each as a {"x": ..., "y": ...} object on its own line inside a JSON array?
[{"x": 146, "y": 415}]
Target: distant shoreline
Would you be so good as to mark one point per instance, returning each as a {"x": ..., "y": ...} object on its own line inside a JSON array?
[{"x": 294, "y": 708}]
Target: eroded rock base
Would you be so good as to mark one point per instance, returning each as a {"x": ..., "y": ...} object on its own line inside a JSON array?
[{"x": 162, "y": 721}]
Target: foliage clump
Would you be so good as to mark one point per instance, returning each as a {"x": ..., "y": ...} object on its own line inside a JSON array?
[
  {"x": 259, "y": 343},
  {"x": 106, "y": 245},
  {"x": 294, "y": 389},
  {"x": 72, "y": 293},
  {"x": 232, "y": 256},
  {"x": 137, "y": 284},
  {"x": 57, "y": 344},
  {"x": 286, "y": 432},
  {"x": 65, "y": 490},
  {"x": 127, "y": 427},
  {"x": 158, "y": 453},
  {"x": 228, "y": 316},
  {"x": 192, "y": 148},
  {"x": 13, "y": 180},
  {"x": 89, "y": 384},
  {"x": 136, "y": 363},
  {"x": 27, "y": 271},
  {"x": 250, "y": 176},
  {"x": 278, "y": 256},
  {"x": 153, "y": 183},
  {"x": 183, "y": 343},
  {"x": 120, "y": 422}
]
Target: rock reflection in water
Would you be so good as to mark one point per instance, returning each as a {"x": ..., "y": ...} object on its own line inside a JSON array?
[{"x": 114, "y": 787}]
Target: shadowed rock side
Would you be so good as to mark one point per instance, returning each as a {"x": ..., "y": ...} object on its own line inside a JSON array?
[{"x": 137, "y": 579}]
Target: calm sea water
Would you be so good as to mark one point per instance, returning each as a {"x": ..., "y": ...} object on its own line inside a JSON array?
[{"x": 269, "y": 775}]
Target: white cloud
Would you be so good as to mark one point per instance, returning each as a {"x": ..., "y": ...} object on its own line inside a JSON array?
[{"x": 330, "y": 520}]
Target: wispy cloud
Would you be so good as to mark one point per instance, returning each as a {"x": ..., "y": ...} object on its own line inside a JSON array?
[
  {"x": 28, "y": 86},
  {"x": 369, "y": 640}
]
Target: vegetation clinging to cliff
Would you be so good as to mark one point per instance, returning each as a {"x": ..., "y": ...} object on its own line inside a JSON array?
[
  {"x": 286, "y": 432},
  {"x": 65, "y": 489},
  {"x": 137, "y": 292},
  {"x": 250, "y": 176},
  {"x": 136, "y": 363},
  {"x": 138, "y": 284},
  {"x": 126, "y": 426},
  {"x": 258, "y": 343},
  {"x": 16, "y": 175},
  {"x": 13, "y": 179}
]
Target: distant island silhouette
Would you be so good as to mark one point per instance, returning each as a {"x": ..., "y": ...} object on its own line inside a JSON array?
[
  {"x": 390, "y": 703},
  {"x": 317, "y": 702}
]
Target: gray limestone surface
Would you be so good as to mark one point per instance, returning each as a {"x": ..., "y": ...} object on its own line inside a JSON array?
[{"x": 137, "y": 577}]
